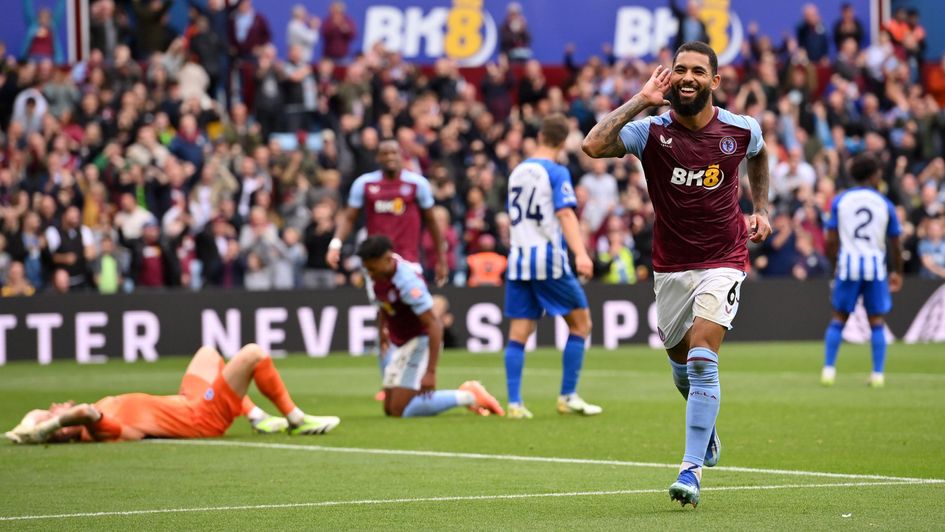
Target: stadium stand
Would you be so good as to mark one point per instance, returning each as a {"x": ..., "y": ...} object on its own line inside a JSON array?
[{"x": 190, "y": 160}]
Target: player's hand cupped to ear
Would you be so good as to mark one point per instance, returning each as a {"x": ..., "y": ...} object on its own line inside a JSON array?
[{"x": 655, "y": 88}]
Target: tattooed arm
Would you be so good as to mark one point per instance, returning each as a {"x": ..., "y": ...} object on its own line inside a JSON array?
[
  {"x": 758, "y": 179},
  {"x": 604, "y": 139}
]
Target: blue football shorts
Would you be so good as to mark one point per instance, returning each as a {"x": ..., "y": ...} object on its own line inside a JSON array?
[
  {"x": 532, "y": 299},
  {"x": 876, "y": 298}
]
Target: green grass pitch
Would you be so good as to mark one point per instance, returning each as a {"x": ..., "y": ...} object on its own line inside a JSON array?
[{"x": 780, "y": 429}]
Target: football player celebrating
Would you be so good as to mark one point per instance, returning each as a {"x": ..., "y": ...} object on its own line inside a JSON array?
[{"x": 690, "y": 157}]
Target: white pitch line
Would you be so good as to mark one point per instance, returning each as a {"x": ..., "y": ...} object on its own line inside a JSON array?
[
  {"x": 374, "y": 502},
  {"x": 543, "y": 459}
]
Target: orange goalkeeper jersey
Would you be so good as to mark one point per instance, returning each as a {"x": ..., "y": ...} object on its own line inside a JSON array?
[{"x": 194, "y": 414}]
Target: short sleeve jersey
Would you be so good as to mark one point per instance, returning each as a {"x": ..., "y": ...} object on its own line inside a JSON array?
[
  {"x": 863, "y": 218},
  {"x": 538, "y": 188},
  {"x": 403, "y": 298},
  {"x": 393, "y": 208},
  {"x": 692, "y": 178}
]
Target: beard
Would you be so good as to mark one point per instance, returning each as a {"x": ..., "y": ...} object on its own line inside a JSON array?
[{"x": 691, "y": 108}]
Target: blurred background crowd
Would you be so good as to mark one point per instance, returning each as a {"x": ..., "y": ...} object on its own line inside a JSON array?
[{"x": 203, "y": 159}]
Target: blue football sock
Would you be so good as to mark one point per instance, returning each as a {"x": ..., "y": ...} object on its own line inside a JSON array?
[
  {"x": 572, "y": 358},
  {"x": 681, "y": 377},
  {"x": 431, "y": 404},
  {"x": 832, "y": 339},
  {"x": 702, "y": 407},
  {"x": 514, "y": 362},
  {"x": 878, "y": 343}
]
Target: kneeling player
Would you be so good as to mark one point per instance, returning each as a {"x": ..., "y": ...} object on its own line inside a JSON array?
[
  {"x": 212, "y": 395},
  {"x": 412, "y": 337}
]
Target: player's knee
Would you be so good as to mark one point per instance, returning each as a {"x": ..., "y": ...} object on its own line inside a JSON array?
[
  {"x": 251, "y": 353},
  {"x": 255, "y": 350},
  {"x": 579, "y": 324},
  {"x": 394, "y": 411},
  {"x": 519, "y": 331},
  {"x": 841, "y": 317},
  {"x": 207, "y": 350},
  {"x": 585, "y": 328}
]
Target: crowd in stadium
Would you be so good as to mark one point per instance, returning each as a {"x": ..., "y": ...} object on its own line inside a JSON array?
[{"x": 203, "y": 159}]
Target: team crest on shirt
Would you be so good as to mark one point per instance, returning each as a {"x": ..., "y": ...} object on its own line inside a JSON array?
[
  {"x": 567, "y": 189},
  {"x": 728, "y": 145},
  {"x": 208, "y": 395}
]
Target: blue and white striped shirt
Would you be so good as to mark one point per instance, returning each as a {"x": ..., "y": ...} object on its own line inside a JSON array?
[
  {"x": 538, "y": 188},
  {"x": 863, "y": 218}
]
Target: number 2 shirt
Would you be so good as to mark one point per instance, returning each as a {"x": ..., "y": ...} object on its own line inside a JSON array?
[{"x": 863, "y": 218}]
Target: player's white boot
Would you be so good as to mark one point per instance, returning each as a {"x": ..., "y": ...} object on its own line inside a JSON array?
[
  {"x": 518, "y": 411},
  {"x": 828, "y": 375},
  {"x": 573, "y": 404},
  {"x": 877, "y": 380}
]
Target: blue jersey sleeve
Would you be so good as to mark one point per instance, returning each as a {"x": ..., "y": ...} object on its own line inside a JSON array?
[
  {"x": 831, "y": 221},
  {"x": 634, "y": 135},
  {"x": 356, "y": 195},
  {"x": 562, "y": 192},
  {"x": 894, "y": 228},
  {"x": 424, "y": 194},
  {"x": 413, "y": 291},
  {"x": 757, "y": 140}
]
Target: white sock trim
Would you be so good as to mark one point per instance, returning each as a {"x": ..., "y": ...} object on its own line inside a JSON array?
[
  {"x": 464, "y": 398},
  {"x": 296, "y": 416},
  {"x": 257, "y": 414}
]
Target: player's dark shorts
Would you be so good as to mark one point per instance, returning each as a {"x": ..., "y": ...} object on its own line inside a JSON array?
[
  {"x": 531, "y": 299},
  {"x": 876, "y": 298}
]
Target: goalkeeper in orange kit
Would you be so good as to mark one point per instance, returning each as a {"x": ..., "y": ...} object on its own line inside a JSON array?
[{"x": 212, "y": 395}]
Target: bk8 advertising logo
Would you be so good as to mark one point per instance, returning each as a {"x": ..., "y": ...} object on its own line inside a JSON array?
[{"x": 465, "y": 31}]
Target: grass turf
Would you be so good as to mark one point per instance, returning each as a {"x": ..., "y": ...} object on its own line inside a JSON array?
[{"x": 775, "y": 415}]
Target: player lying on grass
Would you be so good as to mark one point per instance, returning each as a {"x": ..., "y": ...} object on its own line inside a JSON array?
[
  {"x": 212, "y": 395},
  {"x": 412, "y": 336}
]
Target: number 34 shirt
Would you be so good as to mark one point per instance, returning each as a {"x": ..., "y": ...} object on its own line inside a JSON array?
[{"x": 538, "y": 188}]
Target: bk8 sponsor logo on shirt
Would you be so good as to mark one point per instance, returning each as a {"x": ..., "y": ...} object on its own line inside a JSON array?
[
  {"x": 710, "y": 178},
  {"x": 395, "y": 206}
]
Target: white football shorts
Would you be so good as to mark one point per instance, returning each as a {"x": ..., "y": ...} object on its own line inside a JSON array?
[
  {"x": 407, "y": 364},
  {"x": 712, "y": 294}
]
